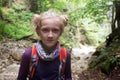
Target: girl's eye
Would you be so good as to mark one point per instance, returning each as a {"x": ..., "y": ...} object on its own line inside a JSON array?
[
  {"x": 55, "y": 30},
  {"x": 45, "y": 30}
]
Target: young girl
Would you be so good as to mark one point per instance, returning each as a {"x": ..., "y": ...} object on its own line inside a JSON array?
[{"x": 49, "y": 26}]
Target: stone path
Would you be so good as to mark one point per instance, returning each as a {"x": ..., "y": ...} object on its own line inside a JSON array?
[
  {"x": 80, "y": 59},
  {"x": 10, "y": 73}
]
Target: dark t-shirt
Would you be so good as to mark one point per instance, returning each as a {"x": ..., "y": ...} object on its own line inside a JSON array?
[{"x": 45, "y": 70}]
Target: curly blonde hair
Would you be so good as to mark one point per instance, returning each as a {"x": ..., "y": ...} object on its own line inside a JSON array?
[{"x": 37, "y": 18}]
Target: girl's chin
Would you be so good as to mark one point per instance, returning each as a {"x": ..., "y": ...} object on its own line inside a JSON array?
[{"x": 50, "y": 45}]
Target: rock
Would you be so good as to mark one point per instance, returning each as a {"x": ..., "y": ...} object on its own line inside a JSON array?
[
  {"x": 81, "y": 57},
  {"x": 10, "y": 73},
  {"x": 17, "y": 53},
  {"x": 10, "y": 55}
]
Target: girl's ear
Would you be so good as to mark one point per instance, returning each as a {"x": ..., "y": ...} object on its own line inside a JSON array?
[
  {"x": 61, "y": 33},
  {"x": 38, "y": 30},
  {"x": 62, "y": 30}
]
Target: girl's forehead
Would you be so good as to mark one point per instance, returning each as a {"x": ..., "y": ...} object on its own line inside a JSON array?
[{"x": 51, "y": 21}]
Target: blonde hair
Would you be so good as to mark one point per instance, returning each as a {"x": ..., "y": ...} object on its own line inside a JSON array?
[{"x": 37, "y": 18}]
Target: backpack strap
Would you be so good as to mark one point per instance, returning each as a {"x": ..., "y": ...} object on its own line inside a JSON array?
[
  {"x": 33, "y": 62},
  {"x": 63, "y": 57}
]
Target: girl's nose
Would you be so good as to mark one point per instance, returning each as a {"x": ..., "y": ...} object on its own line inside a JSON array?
[{"x": 50, "y": 34}]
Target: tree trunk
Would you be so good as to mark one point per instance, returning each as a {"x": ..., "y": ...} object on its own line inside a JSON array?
[
  {"x": 33, "y": 5},
  {"x": 114, "y": 36}
]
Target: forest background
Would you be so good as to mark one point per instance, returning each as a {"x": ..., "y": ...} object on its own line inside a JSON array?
[{"x": 90, "y": 23}]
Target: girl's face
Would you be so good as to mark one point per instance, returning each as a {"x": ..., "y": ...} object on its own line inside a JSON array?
[{"x": 49, "y": 31}]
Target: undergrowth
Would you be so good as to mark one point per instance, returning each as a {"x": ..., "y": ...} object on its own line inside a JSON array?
[
  {"x": 108, "y": 59},
  {"x": 16, "y": 22}
]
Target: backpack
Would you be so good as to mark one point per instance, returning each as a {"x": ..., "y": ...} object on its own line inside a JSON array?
[{"x": 34, "y": 61}]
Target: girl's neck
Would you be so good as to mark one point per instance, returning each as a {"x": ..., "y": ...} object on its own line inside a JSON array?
[{"x": 48, "y": 50}]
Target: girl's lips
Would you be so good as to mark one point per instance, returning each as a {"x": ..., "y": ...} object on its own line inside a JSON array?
[{"x": 50, "y": 40}]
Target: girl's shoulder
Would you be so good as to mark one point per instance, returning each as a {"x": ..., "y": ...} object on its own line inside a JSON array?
[
  {"x": 69, "y": 51},
  {"x": 68, "y": 54},
  {"x": 27, "y": 53}
]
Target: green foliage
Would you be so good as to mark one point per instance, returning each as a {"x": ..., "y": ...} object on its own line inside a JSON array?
[
  {"x": 111, "y": 63},
  {"x": 39, "y": 6},
  {"x": 1, "y": 12},
  {"x": 66, "y": 39},
  {"x": 59, "y": 5},
  {"x": 85, "y": 18},
  {"x": 2, "y": 25},
  {"x": 18, "y": 7},
  {"x": 19, "y": 22},
  {"x": 88, "y": 17},
  {"x": 3, "y": 2},
  {"x": 108, "y": 59},
  {"x": 18, "y": 30}
]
